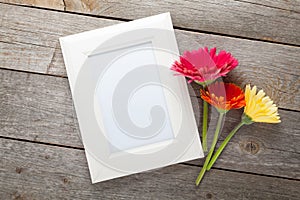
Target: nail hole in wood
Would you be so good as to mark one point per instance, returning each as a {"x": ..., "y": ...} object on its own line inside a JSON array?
[{"x": 66, "y": 180}]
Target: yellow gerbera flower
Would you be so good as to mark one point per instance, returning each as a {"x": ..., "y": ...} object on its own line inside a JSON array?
[{"x": 260, "y": 108}]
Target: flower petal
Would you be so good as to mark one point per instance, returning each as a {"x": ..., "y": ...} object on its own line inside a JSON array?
[{"x": 260, "y": 108}]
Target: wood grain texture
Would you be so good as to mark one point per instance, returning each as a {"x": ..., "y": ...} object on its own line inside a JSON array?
[
  {"x": 53, "y": 4},
  {"x": 48, "y": 172},
  {"x": 26, "y": 57},
  {"x": 270, "y": 66},
  {"x": 289, "y": 5},
  {"x": 39, "y": 108},
  {"x": 258, "y": 147},
  {"x": 230, "y": 17}
]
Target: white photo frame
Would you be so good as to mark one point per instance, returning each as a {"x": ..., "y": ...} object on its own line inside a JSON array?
[{"x": 134, "y": 114}]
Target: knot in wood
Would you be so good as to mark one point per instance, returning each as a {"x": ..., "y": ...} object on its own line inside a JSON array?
[
  {"x": 19, "y": 170},
  {"x": 251, "y": 147},
  {"x": 208, "y": 195}
]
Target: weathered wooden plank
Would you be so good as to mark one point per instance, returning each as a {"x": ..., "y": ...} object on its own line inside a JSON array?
[
  {"x": 53, "y": 4},
  {"x": 39, "y": 108},
  {"x": 36, "y": 174},
  {"x": 277, "y": 75},
  {"x": 43, "y": 27},
  {"x": 26, "y": 57},
  {"x": 34, "y": 171},
  {"x": 271, "y": 66},
  {"x": 237, "y": 18},
  {"x": 289, "y": 5},
  {"x": 259, "y": 148}
]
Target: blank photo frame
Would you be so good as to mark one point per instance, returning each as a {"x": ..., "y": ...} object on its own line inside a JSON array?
[{"x": 134, "y": 114}]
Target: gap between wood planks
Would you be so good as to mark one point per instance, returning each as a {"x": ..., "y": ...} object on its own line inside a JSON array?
[
  {"x": 120, "y": 20},
  {"x": 29, "y": 117},
  {"x": 60, "y": 76},
  {"x": 187, "y": 164},
  {"x": 260, "y": 4},
  {"x": 175, "y": 27},
  {"x": 65, "y": 6},
  {"x": 258, "y": 56}
]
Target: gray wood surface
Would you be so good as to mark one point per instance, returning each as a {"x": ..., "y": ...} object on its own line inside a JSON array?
[
  {"x": 288, "y": 5},
  {"x": 39, "y": 171},
  {"x": 30, "y": 42},
  {"x": 42, "y": 156},
  {"x": 261, "y": 20},
  {"x": 82, "y": 5},
  {"x": 39, "y": 108}
]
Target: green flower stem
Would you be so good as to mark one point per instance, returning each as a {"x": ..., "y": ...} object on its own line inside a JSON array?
[
  {"x": 214, "y": 142},
  {"x": 205, "y": 114},
  {"x": 223, "y": 145},
  {"x": 204, "y": 126}
]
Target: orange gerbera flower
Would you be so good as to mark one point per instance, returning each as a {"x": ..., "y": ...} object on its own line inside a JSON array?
[{"x": 224, "y": 96}]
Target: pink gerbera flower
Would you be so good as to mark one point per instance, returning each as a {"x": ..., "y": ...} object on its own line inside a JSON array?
[{"x": 203, "y": 65}]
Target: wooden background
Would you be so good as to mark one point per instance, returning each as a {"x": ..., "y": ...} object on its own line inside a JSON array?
[{"x": 41, "y": 154}]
